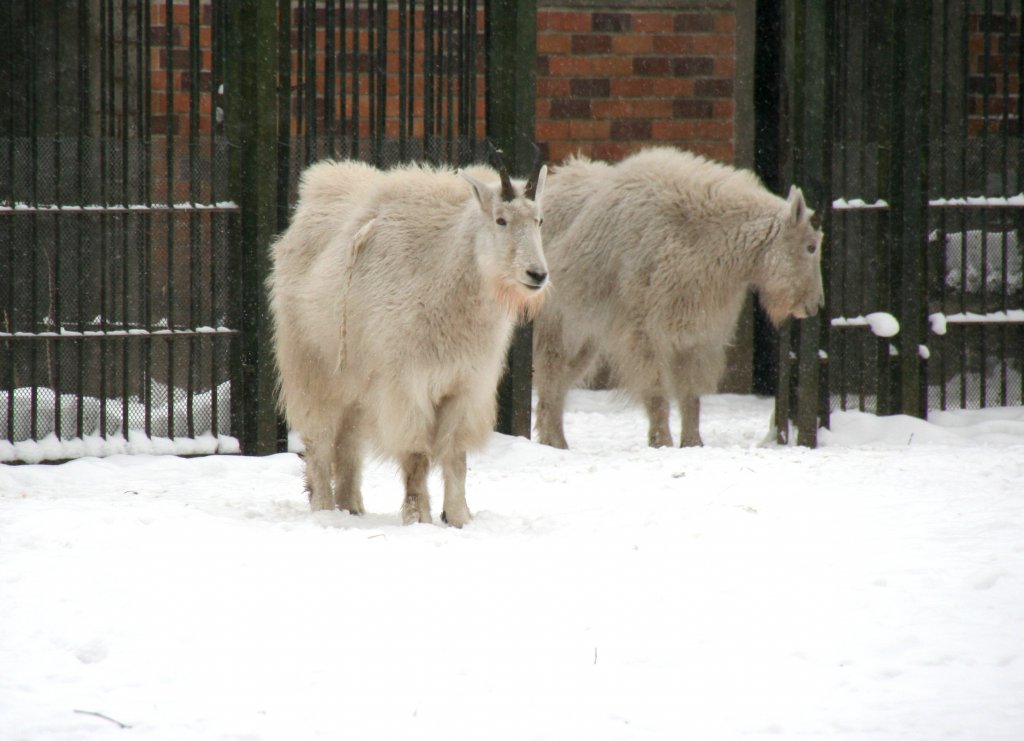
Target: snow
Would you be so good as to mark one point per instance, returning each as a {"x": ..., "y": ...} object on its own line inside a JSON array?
[
  {"x": 858, "y": 204},
  {"x": 939, "y": 321},
  {"x": 45, "y": 445},
  {"x": 870, "y": 589},
  {"x": 881, "y": 323}
]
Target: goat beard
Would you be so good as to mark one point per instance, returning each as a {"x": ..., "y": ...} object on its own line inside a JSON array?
[{"x": 519, "y": 302}]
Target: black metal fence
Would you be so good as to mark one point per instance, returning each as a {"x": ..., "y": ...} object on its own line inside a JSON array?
[
  {"x": 130, "y": 284},
  {"x": 918, "y": 117}
]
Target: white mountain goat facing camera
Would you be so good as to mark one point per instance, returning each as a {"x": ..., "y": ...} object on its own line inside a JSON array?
[
  {"x": 394, "y": 295},
  {"x": 652, "y": 259}
]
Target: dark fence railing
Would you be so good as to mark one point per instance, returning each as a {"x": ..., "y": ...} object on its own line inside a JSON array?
[
  {"x": 135, "y": 163},
  {"x": 925, "y": 307},
  {"x": 116, "y": 227}
]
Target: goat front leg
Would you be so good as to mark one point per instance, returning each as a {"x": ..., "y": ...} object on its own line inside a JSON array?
[
  {"x": 658, "y": 433},
  {"x": 689, "y": 406},
  {"x": 416, "y": 507},
  {"x": 554, "y": 376},
  {"x": 318, "y": 473},
  {"x": 456, "y": 512}
]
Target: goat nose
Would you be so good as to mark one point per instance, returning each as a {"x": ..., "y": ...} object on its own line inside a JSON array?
[{"x": 537, "y": 276}]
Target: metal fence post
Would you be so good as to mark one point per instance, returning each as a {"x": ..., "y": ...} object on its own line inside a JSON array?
[
  {"x": 251, "y": 123},
  {"x": 511, "y": 28},
  {"x": 807, "y": 162},
  {"x": 908, "y": 197}
]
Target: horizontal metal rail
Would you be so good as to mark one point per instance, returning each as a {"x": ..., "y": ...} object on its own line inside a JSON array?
[{"x": 131, "y": 208}]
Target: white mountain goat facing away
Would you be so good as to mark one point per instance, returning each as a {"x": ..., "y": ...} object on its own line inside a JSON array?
[
  {"x": 652, "y": 259},
  {"x": 394, "y": 295}
]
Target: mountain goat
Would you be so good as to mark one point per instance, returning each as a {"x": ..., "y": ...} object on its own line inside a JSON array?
[
  {"x": 652, "y": 259},
  {"x": 393, "y": 297}
]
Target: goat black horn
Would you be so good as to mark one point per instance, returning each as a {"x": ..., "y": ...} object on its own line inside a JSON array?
[
  {"x": 498, "y": 162},
  {"x": 531, "y": 184}
]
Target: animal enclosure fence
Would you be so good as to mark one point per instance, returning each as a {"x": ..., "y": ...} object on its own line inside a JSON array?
[
  {"x": 917, "y": 120},
  {"x": 149, "y": 150}
]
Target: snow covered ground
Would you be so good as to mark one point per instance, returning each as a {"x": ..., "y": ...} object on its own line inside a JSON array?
[{"x": 870, "y": 589}]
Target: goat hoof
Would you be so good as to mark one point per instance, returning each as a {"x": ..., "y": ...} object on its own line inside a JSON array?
[
  {"x": 456, "y": 521},
  {"x": 411, "y": 514}
]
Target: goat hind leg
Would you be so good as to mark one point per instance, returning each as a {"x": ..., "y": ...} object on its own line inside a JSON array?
[{"x": 348, "y": 470}]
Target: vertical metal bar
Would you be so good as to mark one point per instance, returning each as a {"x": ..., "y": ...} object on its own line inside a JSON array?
[
  {"x": 33, "y": 116},
  {"x": 251, "y": 129},
  {"x": 472, "y": 73},
  {"x": 169, "y": 257},
  {"x": 310, "y": 87},
  {"x": 428, "y": 78},
  {"x": 986, "y": 74},
  {"x": 126, "y": 220},
  {"x": 451, "y": 69},
  {"x": 356, "y": 25},
  {"x": 84, "y": 97},
  {"x": 1019, "y": 132},
  {"x": 7, "y": 90},
  {"x": 403, "y": 79},
  {"x": 382, "y": 80},
  {"x": 284, "y": 110},
  {"x": 146, "y": 277},
  {"x": 330, "y": 122},
  {"x": 342, "y": 79},
  {"x": 195, "y": 257},
  {"x": 1004, "y": 298},
  {"x": 965, "y": 66}
]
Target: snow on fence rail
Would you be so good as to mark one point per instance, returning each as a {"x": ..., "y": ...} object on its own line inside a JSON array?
[
  {"x": 20, "y": 207},
  {"x": 859, "y": 204}
]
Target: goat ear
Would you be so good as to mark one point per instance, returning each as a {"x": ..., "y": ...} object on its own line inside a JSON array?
[
  {"x": 484, "y": 195},
  {"x": 798, "y": 211}
]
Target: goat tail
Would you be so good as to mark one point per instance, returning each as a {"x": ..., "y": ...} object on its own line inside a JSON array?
[{"x": 358, "y": 242}]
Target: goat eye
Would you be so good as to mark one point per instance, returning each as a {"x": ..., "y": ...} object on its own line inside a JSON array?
[
  {"x": 811, "y": 249},
  {"x": 501, "y": 222}
]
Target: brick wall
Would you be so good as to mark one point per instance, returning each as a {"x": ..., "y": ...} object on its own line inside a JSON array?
[{"x": 610, "y": 80}]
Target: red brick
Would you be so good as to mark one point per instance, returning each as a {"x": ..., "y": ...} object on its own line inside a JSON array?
[
  {"x": 629, "y": 130},
  {"x": 611, "y": 22},
  {"x": 570, "y": 108},
  {"x": 554, "y": 43},
  {"x": 557, "y": 20},
  {"x": 652, "y": 66},
  {"x": 692, "y": 108},
  {"x": 693, "y": 66},
  {"x": 590, "y": 87},
  {"x": 713, "y": 88},
  {"x": 725, "y": 23},
  {"x": 720, "y": 151},
  {"x": 701, "y": 43},
  {"x": 694, "y": 23},
  {"x": 589, "y": 129},
  {"x": 612, "y": 66},
  {"x": 621, "y": 109},
  {"x": 632, "y": 87},
  {"x": 553, "y": 87},
  {"x": 613, "y": 151},
  {"x": 591, "y": 44},
  {"x": 673, "y": 86},
  {"x": 632, "y": 44},
  {"x": 653, "y": 22},
  {"x": 693, "y": 129},
  {"x": 571, "y": 66},
  {"x": 548, "y": 130}
]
